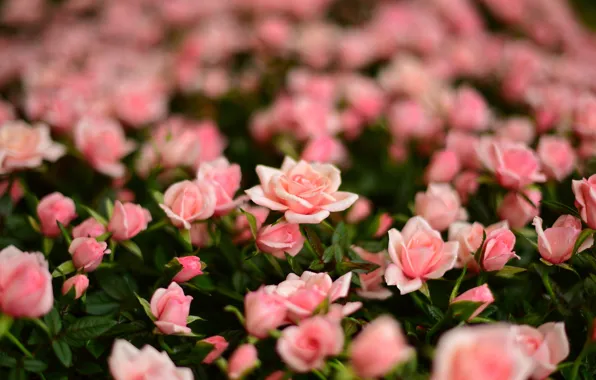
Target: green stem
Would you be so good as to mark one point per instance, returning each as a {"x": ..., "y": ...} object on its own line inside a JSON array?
[
  {"x": 446, "y": 318},
  {"x": 580, "y": 358},
  {"x": 16, "y": 342},
  {"x": 41, "y": 325}
]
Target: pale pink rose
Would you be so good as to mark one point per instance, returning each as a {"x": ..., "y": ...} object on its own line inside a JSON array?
[
  {"x": 25, "y": 284},
  {"x": 555, "y": 244},
  {"x": 23, "y": 146},
  {"x": 517, "y": 129},
  {"x": 171, "y": 308},
  {"x": 324, "y": 336},
  {"x": 584, "y": 123},
  {"x": 54, "y": 208},
  {"x": 307, "y": 193},
  {"x": 498, "y": 249},
  {"x": 417, "y": 254},
  {"x": 242, "y": 361},
  {"x": 22, "y": 12},
  {"x": 371, "y": 283},
  {"x": 409, "y": 120},
  {"x": 385, "y": 223},
  {"x": 6, "y": 112},
  {"x": 264, "y": 311},
  {"x": 87, "y": 253},
  {"x": 325, "y": 149},
  {"x": 468, "y": 110},
  {"x": 127, "y": 362},
  {"x": 469, "y": 236},
  {"x": 359, "y": 211},
  {"x": 103, "y": 143},
  {"x": 557, "y": 157},
  {"x": 16, "y": 191},
  {"x": 585, "y": 199},
  {"x": 199, "y": 235},
  {"x": 278, "y": 239},
  {"x": 480, "y": 294},
  {"x": 517, "y": 210},
  {"x": 125, "y": 195},
  {"x": 379, "y": 348},
  {"x": 191, "y": 267},
  {"x": 225, "y": 180},
  {"x": 514, "y": 164},
  {"x": 443, "y": 167},
  {"x": 89, "y": 228},
  {"x": 128, "y": 220},
  {"x": 212, "y": 142},
  {"x": 364, "y": 96},
  {"x": 356, "y": 49},
  {"x": 242, "y": 227},
  {"x": 321, "y": 87},
  {"x": 440, "y": 206},
  {"x": 464, "y": 145},
  {"x": 140, "y": 101},
  {"x": 186, "y": 202},
  {"x": 220, "y": 344},
  {"x": 274, "y": 33},
  {"x": 79, "y": 282},
  {"x": 546, "y": 346},
  {"x": 587, "y": 149},
  {"x": 466, "y": 184},
  {"x": 480, "y": 352},
  {"x": 351, "y": 123}
]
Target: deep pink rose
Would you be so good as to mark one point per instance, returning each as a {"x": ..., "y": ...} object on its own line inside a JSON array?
[
  {"x": 220, "y": 344},
  {"x": 191, "y": 267}
]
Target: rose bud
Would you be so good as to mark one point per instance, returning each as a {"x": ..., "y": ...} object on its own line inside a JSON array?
[
  {"x": 379, "y": 348},
  {"x": 87, "y": 253},
  {"x": 89, "y": 228},
  {"x": 557, "y": 157},
  {"x": 443, "y": 167},
  {"x": 15, "y": 192},
  {"x": 418, "y": 253},
  {"x": 277, "y": 239},
  {"x": 277, "y": 375},
  {"x": 220, "y": 344},
  {"x": 242, "y": 226},
  {"x": 440, "y": 206},
  {"x": 325, "y": 338},
  {"x": 171, "y": 308},
  {"x": 54, "y": 208},
  {"x": 481, "y": 294},
  {"x": 25, "y": 284},
  {"x": 79, "y": 282},
  {"x": 516, "y": 209},
  {"x": 556, "y": 244},
  {"x": 191, "y": 267},
  {"x": 264, "y": 311},
  {"x": 585, "y": 199},
  {"x": 186, "y": 202},
  {"x": 359, "y": 211},
  {"x": 129, "y": 363},
  {"x": 498, "y": 249},
  {"x": 242, "y": 361},
  {"x": 199, "y": 235},
  {"x": 225, "y": 179},
  {"x": 547, "y": 346},
  {"x": 385, "y": 222},
  {"x": 128, "y": 220}
]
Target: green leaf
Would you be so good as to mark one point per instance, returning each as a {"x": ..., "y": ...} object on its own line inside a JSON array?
[
  {"x": 252, "y": 222},
  {"x": 47, "y": 244},
  {"x": 273, "y": 261},
  {"x": 31, "y": 201},
  {"x": 132, "y": 247},
  {"x": 424, "y": 290},
  {"x": 89, "y": 368},
  {"x": 33, "y": 223},
  {"x": 316, "y": 265},
  {"x": 193, "y": 318},
  {"x": 340, "y": 236},
  {"x": 329, "y": 254},
  {"x": 458, "y": 283},
  {"x": 100, "y": 303},
  {"x": 509, "y": 271},
  {"x": 146, "y": 307},
  {"x": 197, "y": 354},
  {"x": 5, "y": 324},
  {"x": 65, "y": 233},
  {"x": 17, "y": 373},
  {"x": 463, "y": 310},
  {"x": 63, "y": 352},
  {"x": 33, "y": 365},
  {"x": 560, "y": 207},
  {"x": 585, "y": 234},
  {"x": 89, "y": 327},
  {"x": 96, "y": 348},
  {"x": 103, "y": 237},
  {"x": 7, "y": 361},
  {"x": 120, "y": 286},
  {"x": 95, "y": 215},
  {"x": 63, "y": 269},
  {"x": 172, "y": 268},
  {"x": 184, "y": 238},
  {"x": 5, "y": 204},
  {"x": 157, "y": 196},
  {"x": 296, "y": 268},
  {"x": 53, "y": 321},
  {"x": 109, "y": 207},
  {"x": 313, "y": 241}
]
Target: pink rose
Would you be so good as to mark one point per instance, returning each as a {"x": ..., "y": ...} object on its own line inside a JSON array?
[
  {"x": 23, "y": 146},
  {"x": 385, "y": 222},
  {"x": 498, "y": 249},
  {"x": 469, "y": 236},
  {"x": 371, "y": 283},
  {"x": 480, "y": 352},
  {"x": 264, "y": 311},
  {"x": 514, "y": 164},
  {"x": 418, "y": 253},
  {"x": 409, "y": 120},
  {"x": 556, "y": 244},
  {"x": 480, "y": 294},
  {"x": 15, "y": 192},
  {"x": 225, "y": 179},
  {"x": 274, "y": 33},
  {"x": 186, "y": 202},
  {"x": 89, "y": 228},
  {"x": 364, "y": 96},
  {"x": 54, "y": 208},
  {"x": 307, "y": 193},
  {"x": 242, "y": 361},
  {"x": 325, "y": 149},
  {"x": 585, "y": 199},
  {"x": 129, "y": 363},
  {"x": 140, "y": 101},
  {"x": 359, "y": 211},
  {"x": 443, "y": 167},
  {"x": 212, "y": 141},
  {"x": 280, "y": 238},
  {"x": 171, "y": 307},
  {"x": 191, "y": 267},
  {"x": 585, "y": 117},
  {"x": 25, "y": 284},
  {"x": 242, "y": 227},
  {"x": 546, "y": 346},
  {"x": 199, "y": 235},
  {"x": 128, "y": 220},
  {"x": 517, "y": 210},
  {"x": 440, "y": 206},
  {"x": 324, "y": 336},
  {"x": 87, "y": 253},
  {"x": 103, "y": 143},
  {"x": 79, "y": 282},
  {"x": 468, "y": 110},
  {"x": 220, "y": 344},
  {"x": 379, "y": 348},
  {"x": 517, "y": 129},
  {"x": 466, "y": 184},
  {"x": 277, "y": 375},
  {"x": 557, "y": 157},
  {"x": 464, "y": 145}
]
